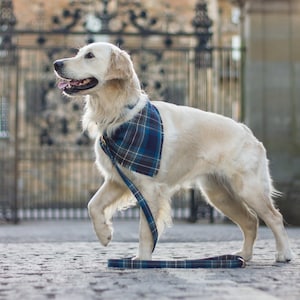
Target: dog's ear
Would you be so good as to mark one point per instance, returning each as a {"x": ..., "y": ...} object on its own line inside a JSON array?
[{"x": 120, "y": 66}]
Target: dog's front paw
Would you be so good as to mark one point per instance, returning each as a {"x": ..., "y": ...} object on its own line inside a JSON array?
[
  {"x": 146, "y": 257},
  {"x": 104, "y": 234},
  {"x": 284, "y": 257},
  {"x": 246, "y": 256}
]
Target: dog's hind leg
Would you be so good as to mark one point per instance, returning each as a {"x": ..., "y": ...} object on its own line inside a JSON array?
[
  {"x": 255, "y": 189},
  {"x": 221, "y": 198},
  {"x": 262, "y": 204},
  {"x": 106, "y": 197}
]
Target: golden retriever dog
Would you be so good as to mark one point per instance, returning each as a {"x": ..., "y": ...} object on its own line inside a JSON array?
[{"x": 200, "y": 149}]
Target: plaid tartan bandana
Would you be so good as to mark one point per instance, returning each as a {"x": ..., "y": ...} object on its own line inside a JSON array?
[{"x": 137, "y": 144}]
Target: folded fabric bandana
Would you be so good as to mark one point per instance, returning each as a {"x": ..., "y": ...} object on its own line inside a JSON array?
[{"x": 137, "y": 144}]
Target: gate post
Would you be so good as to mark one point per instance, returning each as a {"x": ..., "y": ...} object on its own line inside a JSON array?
[
  {"x": 9, "y": 63},
  {"x": 202, "y": 61}
]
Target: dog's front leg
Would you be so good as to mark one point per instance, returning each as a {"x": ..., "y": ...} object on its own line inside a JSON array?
[
  {"x": 107, "y": 195},
  {"x": 145, "y": 239}
]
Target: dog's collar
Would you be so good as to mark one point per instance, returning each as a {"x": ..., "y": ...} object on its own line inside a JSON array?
[
  {"x": 137, "y": 144},
  {"x": 131, "y": 106}
]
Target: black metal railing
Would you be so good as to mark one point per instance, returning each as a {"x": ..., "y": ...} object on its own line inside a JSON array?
[{"x": 47, "y": 164}]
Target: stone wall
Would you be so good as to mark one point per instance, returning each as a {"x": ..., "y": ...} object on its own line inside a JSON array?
[{"x": 272, "y": 91}]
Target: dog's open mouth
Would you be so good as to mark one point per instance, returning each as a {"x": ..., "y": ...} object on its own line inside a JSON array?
[{"x": 72, "y": 86}]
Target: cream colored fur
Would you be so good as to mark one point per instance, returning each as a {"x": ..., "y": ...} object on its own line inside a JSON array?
[{"x": 203, "y": 149}]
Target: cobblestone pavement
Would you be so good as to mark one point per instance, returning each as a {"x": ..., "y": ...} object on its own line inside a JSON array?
[{"x": 63, "y": 260}]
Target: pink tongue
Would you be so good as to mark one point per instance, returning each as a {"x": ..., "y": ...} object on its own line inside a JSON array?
[{"x": 63, "y": 84}]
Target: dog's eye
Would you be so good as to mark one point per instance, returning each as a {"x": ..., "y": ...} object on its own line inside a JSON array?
[{"x": 89, "y": 55}]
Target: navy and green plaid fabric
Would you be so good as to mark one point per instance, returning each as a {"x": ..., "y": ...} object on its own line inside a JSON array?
[
  {"x": 223, "y": 261},
  {"x": 137, "y": 144}
]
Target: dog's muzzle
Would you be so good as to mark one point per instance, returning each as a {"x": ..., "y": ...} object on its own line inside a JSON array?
[{"x": 69, "y": 85}]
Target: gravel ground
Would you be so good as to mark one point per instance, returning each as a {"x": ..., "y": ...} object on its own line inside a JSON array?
[{"x": 63, "y": 260}]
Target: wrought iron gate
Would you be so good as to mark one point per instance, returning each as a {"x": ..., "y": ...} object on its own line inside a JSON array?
[{"x": 47, "y": 168}]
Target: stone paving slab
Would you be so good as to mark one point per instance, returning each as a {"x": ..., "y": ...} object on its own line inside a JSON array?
[{"x": 77, "y": 270}]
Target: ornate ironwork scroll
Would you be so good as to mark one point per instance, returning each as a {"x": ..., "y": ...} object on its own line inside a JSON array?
[{"x": 119, "y": 20}]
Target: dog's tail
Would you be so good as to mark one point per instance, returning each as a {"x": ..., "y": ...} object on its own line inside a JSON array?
[{"x": 264, "y": 170}]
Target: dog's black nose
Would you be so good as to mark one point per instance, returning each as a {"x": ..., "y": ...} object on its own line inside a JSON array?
[{"x": 58, "y": 65}]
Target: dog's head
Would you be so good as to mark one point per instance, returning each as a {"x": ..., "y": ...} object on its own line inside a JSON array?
[{"x": 92, "y": 67}]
